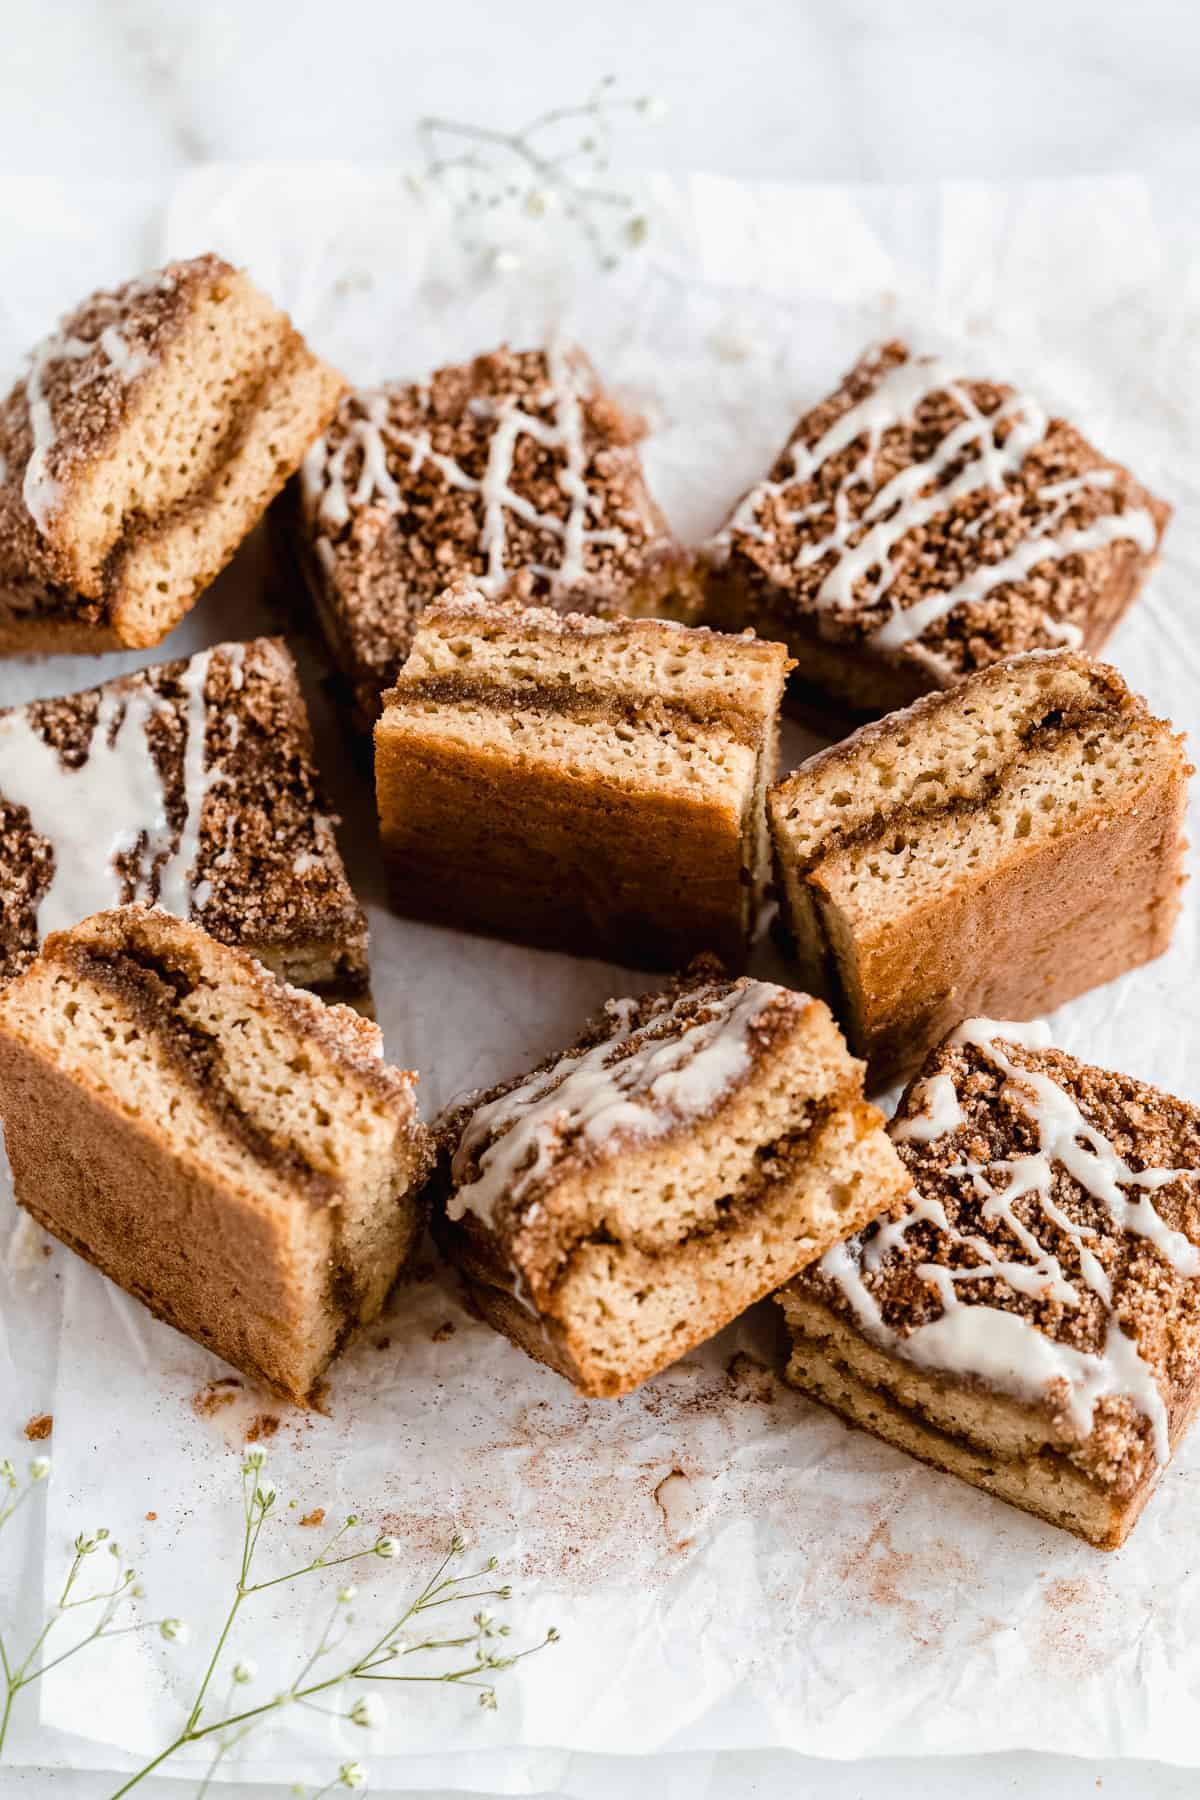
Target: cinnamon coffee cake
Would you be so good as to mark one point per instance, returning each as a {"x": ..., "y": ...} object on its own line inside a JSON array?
[
  {"x": 920, "y": 525},
  {"x": 147, "y": 436},
  {"x": 1003, "y": 845},
  {"x": 629, "y": 1198},
  {"x": 1029, "y": 1318},
  {"x": 191, "y": 784},
  {"x": 593, "y": 785},
  {"x": 228, "y": 1149},
  {"x": 516, "y": 471}
]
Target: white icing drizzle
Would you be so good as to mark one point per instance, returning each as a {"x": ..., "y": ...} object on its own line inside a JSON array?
[
  {"x": 114, "y": 804},
  {"x": 331, "y": 503},
  {"x": 1002, "y": 1348},
  {"x": 40, "y": 489},
  {"x": 901, "y": 507},
  {"x": 943, "y": 1112},
  {"x": 604, "y": 1096}
]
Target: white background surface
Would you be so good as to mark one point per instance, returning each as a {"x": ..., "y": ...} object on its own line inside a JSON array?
[{"x": 911, "y": 91}]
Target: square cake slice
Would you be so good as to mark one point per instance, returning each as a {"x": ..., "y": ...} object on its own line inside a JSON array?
[
  {"x": 593, "y": 785},
  {"x": 516, "y": 471},
  {"x": 228, "y": 1149},
  {"x": 192, "y": 785},
  {"x": 1007, "y": 844},
  {"x": 1029, "y": 1319},
  {"x": 921, "y": 524},
  {"x": 148, "y": 435},
  {"x": 627, "y": 1199}
]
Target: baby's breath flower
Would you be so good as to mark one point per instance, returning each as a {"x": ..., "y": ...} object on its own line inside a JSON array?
[
  {"x": 458, "y": 1543},
  {"x": 504, "y": 1593},
  {"x": 368, "y": 1712},
  {"x": 245, "y": 1671},
  {"x": 175, "y": 1631},
  {"x": 352, "y": 1775},
  {"x": 552, "y": 1635},
  {"x": 137, "y": 1591},
  {"x": 653, "y": 107},
  {"x": 346, "y": 1594},
  {"x": 638, "y": 229},
  {"x": 487, "y": 1699},
  {"x": 256, "y": 1456},
  {"x": 388, "y": 1548},
  {"x": 39, "y": 1468},
  {"x": 484, "y": 1621},
  {"x": 266, "y": 1494},
  {"x": 7, "y": 1472},
  {"x": 505, "y": 262},
  {"x": 538, "y": 202}
]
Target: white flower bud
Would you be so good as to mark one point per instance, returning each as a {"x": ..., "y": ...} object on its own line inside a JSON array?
[
  {"x": 175, "y": 1631},
  {"x": 266, "y": 1494},
  {"x": 39, "y": 1468},
  {"x": 352, "y": 1775},
  {"x": 653, "y": 107},
  {"x": 245, "y": 1671},
  {"x": 388, "y": 1548},
  {"x": 256, "y": 1456},
  {"x": 488, "y": 1699},
  {"x": 368, "y": 1712},
  {"x": 346, "y": 1594},
  {"x": 505, "y": 262}
]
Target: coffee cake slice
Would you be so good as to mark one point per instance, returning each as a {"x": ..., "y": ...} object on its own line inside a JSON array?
[
  {"x": 920, "y": 525},
  {"x": 593, "y": 785},
  {"x": 1029, "y": 1319},
  {"x": 229, "y": 1150},
  {"x": 516, "y": 471},
  {"x": 148, "y": 435},
  {"x": 1004, "y": 846},
  {"x": 191, "y": 784},
  {"x": 627, "y": 1199}
]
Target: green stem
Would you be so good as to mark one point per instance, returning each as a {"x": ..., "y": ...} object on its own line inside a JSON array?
[{"x": 9, "y": 1697}]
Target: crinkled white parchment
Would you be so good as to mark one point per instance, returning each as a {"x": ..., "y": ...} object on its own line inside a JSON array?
[{"x": 729, "y": 1567}]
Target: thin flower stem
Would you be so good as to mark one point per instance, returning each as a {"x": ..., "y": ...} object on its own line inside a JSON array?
[{"x": 259, "y": 1587}]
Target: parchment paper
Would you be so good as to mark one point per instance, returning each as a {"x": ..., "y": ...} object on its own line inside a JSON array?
[{"x": 729, "y": 1567}]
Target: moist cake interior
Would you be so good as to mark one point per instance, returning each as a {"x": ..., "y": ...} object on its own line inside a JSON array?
[
  {"x": 149, "y": 436},
  {"x": 629, "y": 1199},
  {"x": 229, "y": 1149}
]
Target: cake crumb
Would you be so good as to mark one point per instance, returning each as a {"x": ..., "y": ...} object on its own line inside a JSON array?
[
  {"x": 263, "y": 1425},
  {"x": 216, "y": 1394},
  {"x": 152, "y": 1516},
  {"x": 315, "y": 1517},
  {"x": 443, "y": 1332},
  {"x": 383, "y": 1343},
  {"x": 39, "y": 1427}
]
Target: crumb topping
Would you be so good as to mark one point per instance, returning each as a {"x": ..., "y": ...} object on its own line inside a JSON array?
[
  {"x": 1050, "y": 1246},
  {"x": 938, "y": 519},
  {"x": 639, "y": 1069},
  {"x": 515, "y": 472},
  {"x": 74, "y": 395},
  {"x": 191, "y": 784}
]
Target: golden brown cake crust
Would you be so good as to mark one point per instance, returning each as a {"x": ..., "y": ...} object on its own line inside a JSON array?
[
  {"x": 231, "y": 1151},
  {"x": 834, "y": 549},
  {"x": 623, "y": 1201},
  {"x": 148, "y": 434},
  {"x": 517, "y": 472},
  {"x": 997, "y": 848},
  {"x": 249, "y": 816},
  {"x": 592, "y": 785},
  {"x": 1075, "y": 1192}
]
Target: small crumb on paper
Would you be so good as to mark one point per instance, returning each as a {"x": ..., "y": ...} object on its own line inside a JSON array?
[{"x": 39, "y": 1427}]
